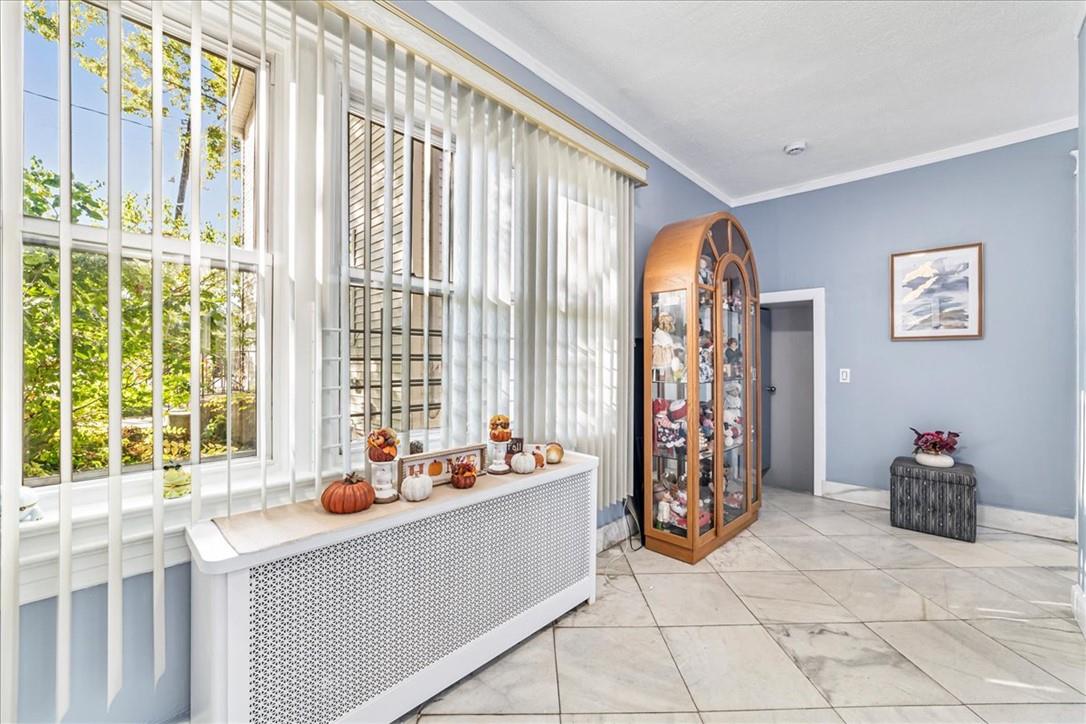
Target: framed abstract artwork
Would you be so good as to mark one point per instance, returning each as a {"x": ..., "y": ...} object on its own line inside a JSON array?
[{"x": 937, "y": 293}]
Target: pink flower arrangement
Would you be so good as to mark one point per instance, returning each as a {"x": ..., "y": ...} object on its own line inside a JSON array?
[{"x": 934, "y": 443}]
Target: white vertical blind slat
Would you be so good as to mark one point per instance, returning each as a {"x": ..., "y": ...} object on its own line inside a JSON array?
[
  {"x": 406, "y": 250},
  {"x": 505, "y": 271},
  {"x": 11, "y": 352},
  {"x": 455, "y": 383},
  {"x": 345, "y": 250},
  {"x": 475, "y": 268},
  {"x": 367, "y": 203},
  {"x": 158, "y": 554},
  {"x": 64, "y": 498},
  {"x": 263, "y": 337},
  {"x": 427, "y": 222},
  {"x": 291, "y": 255},
  {"x": 195, "y": 254},
  {"x": 114, "y": 589},
  {"x": 389, "y": 231},
  {"x": 229, "y": 259},
  {"x": 450, "y": 92},
  {"x": 488, "y": 350},
  {"x": 521, "y": 291},
  {"x": 319, "y": 153}
]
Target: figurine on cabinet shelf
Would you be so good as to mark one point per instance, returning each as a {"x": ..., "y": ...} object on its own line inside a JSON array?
[
  {"x": 706, "y": 421},
  {"x": 732, "y": 354},
  {"x": 670, "y": 434},
  {"x": 705, "y": 270},
  {"x": 663, "y": 347},
  {"x": 705, "y": 357},
  {"x": 678, "y": 364},
  {"x": 733, "y": 399}
]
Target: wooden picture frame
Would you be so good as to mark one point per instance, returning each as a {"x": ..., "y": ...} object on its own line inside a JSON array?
[
  {"x": 423, "y": 462},
  {"x": 937, "y": 294}
]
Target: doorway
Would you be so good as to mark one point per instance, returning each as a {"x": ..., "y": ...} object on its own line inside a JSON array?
[{"x": 793, "y": 390}]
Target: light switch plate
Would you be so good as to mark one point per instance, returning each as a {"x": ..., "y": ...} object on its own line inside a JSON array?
[{"x": 844, "y": 375}]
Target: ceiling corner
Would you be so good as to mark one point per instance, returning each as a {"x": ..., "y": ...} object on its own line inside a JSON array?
[{"x": 460, "y": 14}]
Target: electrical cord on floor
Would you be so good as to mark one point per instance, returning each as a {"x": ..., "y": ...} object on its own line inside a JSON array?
[{"x": 628, "y": 514}]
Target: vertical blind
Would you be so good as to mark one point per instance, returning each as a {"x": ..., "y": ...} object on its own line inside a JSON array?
[{"x": 426, "y": 237}]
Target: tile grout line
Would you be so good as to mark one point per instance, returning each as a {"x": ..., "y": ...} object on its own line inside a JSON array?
[
  {"x": 1040, "y": 668},
  {"x": 557, "y": 678},
  {"x": 667, "y": 646}
]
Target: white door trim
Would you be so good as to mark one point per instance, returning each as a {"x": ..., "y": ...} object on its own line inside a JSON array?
[{"x": 817, "y": 297}]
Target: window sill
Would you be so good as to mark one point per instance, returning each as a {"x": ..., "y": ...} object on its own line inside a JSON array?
[{"x": 39, "y": 543}]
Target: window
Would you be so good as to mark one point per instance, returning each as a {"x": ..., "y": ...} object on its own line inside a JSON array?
[
  {"x": 369, "y": 332},
  {"x": 226, "y": 194}
]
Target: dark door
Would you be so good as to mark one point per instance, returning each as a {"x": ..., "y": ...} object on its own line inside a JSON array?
[{"x": 766, "y": 381}]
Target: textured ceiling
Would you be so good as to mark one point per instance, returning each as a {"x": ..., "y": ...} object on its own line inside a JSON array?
[{"x": 720, "y": 87}]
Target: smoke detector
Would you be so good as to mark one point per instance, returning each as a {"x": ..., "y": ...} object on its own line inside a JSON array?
[{"x": 795, "y": 149}]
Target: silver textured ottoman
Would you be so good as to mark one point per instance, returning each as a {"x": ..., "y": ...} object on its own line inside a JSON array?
[{"x": 940, "y": 501}]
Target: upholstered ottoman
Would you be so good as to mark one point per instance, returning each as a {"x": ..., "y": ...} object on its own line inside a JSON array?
[{"x": 940, "y": 501}]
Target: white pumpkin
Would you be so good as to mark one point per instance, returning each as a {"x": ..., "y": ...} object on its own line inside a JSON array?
[
  {"x": 523, "y": 463},
  {"x": 416, "y": 487}
]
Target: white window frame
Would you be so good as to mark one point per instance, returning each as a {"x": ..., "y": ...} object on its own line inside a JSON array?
[{"x": 38, "y": 549}]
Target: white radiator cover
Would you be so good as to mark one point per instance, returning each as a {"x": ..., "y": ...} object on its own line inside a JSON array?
[{"x": 367, "y": 627}]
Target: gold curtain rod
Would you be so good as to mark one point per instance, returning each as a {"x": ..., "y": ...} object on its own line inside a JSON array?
[{"x": 414, "y": 22}]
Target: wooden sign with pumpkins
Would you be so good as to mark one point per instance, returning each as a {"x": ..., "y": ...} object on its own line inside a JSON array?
[{"x": 439, "y": 464}]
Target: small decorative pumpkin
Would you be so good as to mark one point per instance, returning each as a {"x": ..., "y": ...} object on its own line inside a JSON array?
[
  {"x": 382, "y": 445},
  {"x": 499, "y": 428},
  {"x": 350, "y": 495},
  {"x": 416, "y": 487},
  {"x": 554, "y": 453},
  {"x": 435, "y": 468},
  {"x": 523, "y": 463},
  {"x": 540, "y": 460},
  {"x": 463, "y": 474}
]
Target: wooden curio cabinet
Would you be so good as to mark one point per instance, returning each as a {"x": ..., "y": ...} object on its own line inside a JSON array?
[{"x": 703, "y": 418}]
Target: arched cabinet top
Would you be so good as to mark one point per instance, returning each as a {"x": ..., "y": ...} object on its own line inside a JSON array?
[{"x": 675, "y": 255}]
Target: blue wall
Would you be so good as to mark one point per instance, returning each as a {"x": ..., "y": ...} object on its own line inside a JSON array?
[
  {"x": 1009, "y": 394},
  {"x": 139, "y": 699}
]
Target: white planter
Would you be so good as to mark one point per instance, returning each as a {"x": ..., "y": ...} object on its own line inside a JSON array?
[{"x": 934, "y": 461}]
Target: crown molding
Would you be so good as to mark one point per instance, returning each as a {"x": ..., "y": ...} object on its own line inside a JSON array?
[
  {"x": 924, "y": 159},
  {"x": 461, "y": 15},
  {"x": 457, "y": 12}
]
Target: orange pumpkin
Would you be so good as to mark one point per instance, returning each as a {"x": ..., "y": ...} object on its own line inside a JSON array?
[
  {"x": 350, "y": 495},
  {"x": 435, "y": 468},
  {"x": 499, "y": 428}
]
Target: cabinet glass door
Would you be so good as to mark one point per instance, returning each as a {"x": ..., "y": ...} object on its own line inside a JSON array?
[
  {"x": 706, "y": 413},
  {"x": 669, "y": 414},
  {"x": 732, "y": 383}
]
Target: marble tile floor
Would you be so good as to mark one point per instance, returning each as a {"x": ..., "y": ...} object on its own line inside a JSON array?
[{"x": 820, "y": 612}]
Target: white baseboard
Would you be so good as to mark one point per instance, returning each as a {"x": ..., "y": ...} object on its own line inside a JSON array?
[
  {"x": 846, "y": 492},
  {"x": 989, "y": 516},
  {"x": 1078, "y": 603}
]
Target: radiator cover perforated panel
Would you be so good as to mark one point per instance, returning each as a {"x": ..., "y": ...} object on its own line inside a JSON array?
[{"x": 332, "y": 628}]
